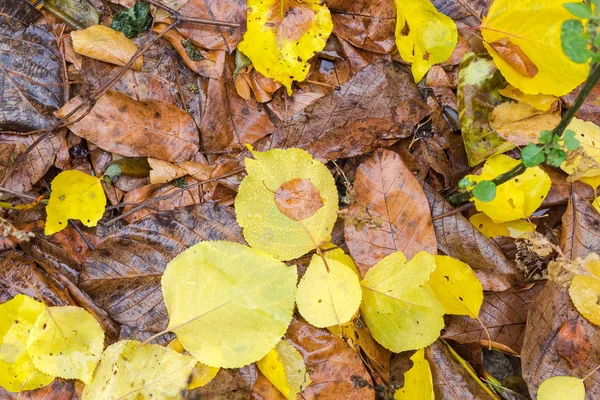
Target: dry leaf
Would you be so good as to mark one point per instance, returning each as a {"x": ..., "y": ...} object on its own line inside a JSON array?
[
  {"x": 573, "y": 343},
  {"x": 298, "y": 199}
]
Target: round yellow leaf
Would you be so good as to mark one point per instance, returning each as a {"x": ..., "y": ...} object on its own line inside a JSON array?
[
  {"x": 75, "y": 195},
  {"x": 66, "y": 342},
  {"x": 17, "y": 372},
  {"x": 584, "y": 292},
  {"x": 327, "y": 298},
  {"x": 229, "y": 304},
  {"x": 418, "y": 382},
  {"x": 265, "y": 227},
  {"x": 284, "y": 367},
  {"x": 491, "y": 229},
  {"x": 561, "y": 388}
]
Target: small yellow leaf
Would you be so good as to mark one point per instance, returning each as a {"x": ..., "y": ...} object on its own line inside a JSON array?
[
  {"x": 424, "y": 36},
  {"x": 17, "y": 317},
  {"x": 561, "y": 388},
  {"x": 284, "y": 367},
  {"x": 585, "y": 290},
  {"x": 282, "y": 35},
  {"x": 66, "y": 342},
  {"x": 541, "y": 102},
  {"x": 201, "y": 374},
  {"x": 585, "y": 161},
  {"x": 418, "y": 382},
  {"x": 265, "y": 227},
  {"x": 325, "y": 298},
  {"x": 490, "y": 229},
  {"x": 456, "y": 286},
  {"x": 105, "y": 44},
  {"x": 75, "y": 195},
  {"x": 132, "y": 370},
  {"x": 398, "y": 306},
  {"x": 516, "y": 199}
]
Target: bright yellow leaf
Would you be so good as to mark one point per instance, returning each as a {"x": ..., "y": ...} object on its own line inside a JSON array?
[
  {"x": 265, "y": 227},
  {"x": 284, "y": 367},
  {"x": 17, "y": 317},
  {"x": 541, "y": 102},
  {"x": 585, "y": 290},
  {"x": 424, "y": 36},
  {"x": 130, "y": 370},
  {"x": 456, "y": 286},
  {"x": 105, "y": 44},
  {"x": 75, "y": 195},
  {"x": 66, "y": 342},
  {"x": 229, "y": 304},
  {"x": 201, "y": 374},
  {"x": 418, "y": 382},
  {"x": 561, "y": 388},
  {"x": 585, "y": 161},
  {"x": 516, "y": 199},
  {"x": 534, "y": 26},
  {"x": 325, "y": 298},
  {"x": 282, "y": 35},
  {"x": 398, "y": 306},
  {"x": 490, "y": 229}
]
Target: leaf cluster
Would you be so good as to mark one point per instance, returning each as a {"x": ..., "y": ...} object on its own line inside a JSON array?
[
  {"x": 551, "y": 149},
  {"x": 133, "y": 21},
  {"x": 580, "y": 39}
]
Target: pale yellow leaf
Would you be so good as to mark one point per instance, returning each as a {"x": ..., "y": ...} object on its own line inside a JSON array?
[
  {"x": 201, "y": 374},
  {"x": 105, "y": 44},
  {"x": 561, "y": 388}
]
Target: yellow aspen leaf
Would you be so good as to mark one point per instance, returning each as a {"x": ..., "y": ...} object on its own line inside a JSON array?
[
  {"x": 533, "y": 27},
  {"x": 75, "y": 195},
  {"x": 490, "y": 229},
  {"x": 585, "y": 290},
  {"x": 456, "y": 286},
  {"x": 328, "y": 297},
  {"x": 284, "y": 367},
  {"x": 418, "y": 382},
  {"x": 561, "y": 388},
  {"x": 229, "y": 304},
  {"x": 541, "y": 102},
  {"x": 265, "y": 226},
  {"x": 201, "y": 374},
  {"x": 516, "y": 199},
  {"x": 130, "y": 370},
  {"x": 424, "y": 36},
  {"x": 585, "y": 161},
  {"x": 105, "y": 44},
  {"x": 17, "y": 372},
  {"x": 398, "y": 306},
  {"x": 282, "y": 35}
]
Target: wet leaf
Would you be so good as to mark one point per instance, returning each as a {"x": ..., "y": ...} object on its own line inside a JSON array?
[
  {"x": 284, "y": 367},
  {"x": 20, "y": 10},
  {"x": 298, "y": 199},
  {"x": 417, "y": 380},
  {"x": 105, "y": 44}
]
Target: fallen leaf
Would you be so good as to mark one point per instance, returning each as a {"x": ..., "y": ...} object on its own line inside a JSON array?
[
  {"x": 163, "y": 171},
  {"x": 561, "y": 387},
  {"x": 418, "y": 383},
  {"x": 589, "y": 109},
  {"x": 580, "y": 234},
  {"x": 201, "y": 374},
  {"x": 585, "y": 161},
  {"x": 81, "y": 10},
  {"x": 105, "y": 44},
  {"x": 490, "y": 229},
  {"x": 584, "y": 290},
  {"x": 515, "y": 57},
  {"x": 542, "y": 102},
  {"x": 235, "y": 384},
  {"x": 572, "y": 342},
  {"x": 284, "y": 367},
  {"x": 298, "y": 199},
  {"x": 521, "y": 124},
  {"x": 24, "y": 12}
]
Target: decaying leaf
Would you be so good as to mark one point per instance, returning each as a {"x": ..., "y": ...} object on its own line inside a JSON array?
[
  {"x": 284, "y": 367},
  {"x": 105, "y": 44},
  {"x": 298, "y": 199},
  {"x": 580, "y": 234},
  {"x": 81, "y": 10},
  {"x": 515, "y": 57},
  {"x": 572, "y": 342},
  {"x": 584, "y": 290},
  {"x": 521, "y": 124},
  {"x": 541, "y": 102}
]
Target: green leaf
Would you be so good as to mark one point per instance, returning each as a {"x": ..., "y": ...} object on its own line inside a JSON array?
[
  {"x": 569, "y": 140},
  {"x": 134, "y": 21},
  {"x": 191, "y": 50},
  {"x": 112, "y": 171},
  {"x": 465, "y": 183},
  {"x": 485, "y": 191},
  {"x": 574, "y": 41},
  {"x": 556, "y": 157},
  {"x": 545, "y": 137},
  {"x": 532, "y": 155},
  {"x": 80, "y": 10},
  {"x": 579, "y": 10}
]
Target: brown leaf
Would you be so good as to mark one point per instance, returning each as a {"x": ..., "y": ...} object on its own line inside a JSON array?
[
  {"x": 122, "y": 125},
  {"x": 539, "y": 359},
  {"x": 436, "y": 158},
  {"x": 572, "y": 342},
  {"x": 581, "y": 228},
  {"x": 20, "y": 10},
  {"x": 590, "y": 110},
  {"x": 59, "y": 389},
  {"x": 515, "y": 57},
  {"x": 263, "y": 389},
  {"x": 386, "y": 188},
  {"x": 123, "y": 274},
  {"x": 229, "y": 384},
  {"x": 504, "y": 315},
  {"x": 335, "y": 369},
  {"x": 468, "y": 12},
  {"x": 298, "y": 199}
]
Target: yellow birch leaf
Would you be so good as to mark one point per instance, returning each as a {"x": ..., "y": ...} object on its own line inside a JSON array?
[
  {"x": 585, "y": 161},
  {"x": 418, "y": 382},
  {"x": 325, "y": 298},
  {"x": 424, "y": 36},
  {"x": 17, "y": 372},
  {"x": 105, "y": 44},
  {"x": 456, "y": 286},
  {"x": 282, "y": 35},
  {"x": 284, "y": 367},
  {"x": 516, "y": 199},
  {"x": 130, "y": 370},
  {"x": 66, "y": 342},
  {"x": 490, "y": 229},
  {"x": 265, "y": 227},
  {"x": 534, "y": 26},
  {"x": 201, "y": 374},
  {"x": 229, "y": 304},
  {"x": 75, "y": 195},
  {"x": 541, "y": 102},
  {"x": 399, "y": 308},
  {"x": 585, "y": 290},
  {"x": 561, "y": 388}
]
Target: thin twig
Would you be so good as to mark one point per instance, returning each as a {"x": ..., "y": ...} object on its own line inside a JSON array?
[
  {"x": 192, "y": 20},
  {"x": 83, "y": 237},
  {"x": 457, "y": 210},
  {"x": 21, "y": 195}
]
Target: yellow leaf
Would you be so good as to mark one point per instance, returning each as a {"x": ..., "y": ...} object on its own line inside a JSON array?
[
  {"x": 201, "y": 374},
  {"x": 17, "y": 372},
  {"x": 398, "y": 306},
  {"x": 456, "y": 286},
  {"x": 585, "y": 161},
  {"x": 265, "y": 226},
  {"x": 516, "y": 199},
  {"x": 534, "y": 26},
  {"x": 490, "y": 229},
  {"x": 130, "y": 370},
  {"x": 561, "y": 388},
  {"x": 521, "y": 124},
  {"x": 105, "y": 44},
  {"x": 541, "y": 102},
  {"x": 418, "y": 383},
  {"x": 326, "y": 298},
  {"x": 75, "y": 195},
  {"x": 424, "y": 36},
  {"x": 282, "y": 35},
  {"x": 593, "y": 181},
  {"x": 284, "y": 367},
  {"x": 66, "y": 342},
  {"x": 228, "y": 304},
  {"x": 585, "y": 290},
  {"x": 596, "y": 204}
]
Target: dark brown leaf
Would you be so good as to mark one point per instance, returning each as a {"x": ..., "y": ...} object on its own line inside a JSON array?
[
  {"x": 21, "y": 10},
  {"x": 572, "y": 342},
  {"x": 590, "y": 110},
  {"x": 581, "y": 228},
  {"x": 469, "y": 12},
  {"x": 298, "y": 199},
  {"x": 263, "y": 389},
  {"x": 229, "y": 384}
]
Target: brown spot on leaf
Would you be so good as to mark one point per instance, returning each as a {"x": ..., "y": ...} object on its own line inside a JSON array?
[
  {"x": 298, "y": 199},
  {"x": 515, "y": 57},
  {"x": 572, "y": 342}
]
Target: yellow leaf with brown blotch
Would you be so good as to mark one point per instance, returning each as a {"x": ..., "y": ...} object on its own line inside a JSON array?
[{"x": 105, "y": 44}]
